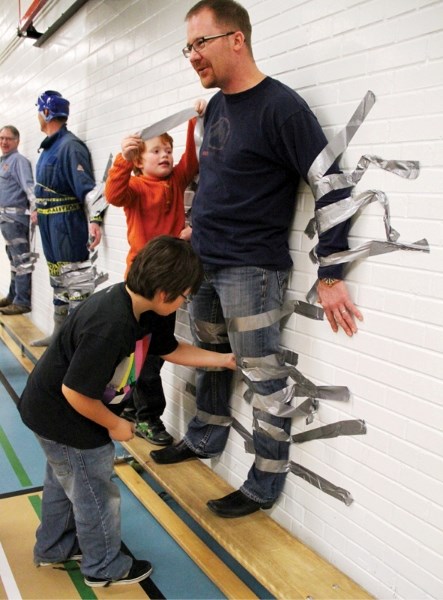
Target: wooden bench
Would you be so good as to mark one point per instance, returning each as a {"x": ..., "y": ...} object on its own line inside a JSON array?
[
  {"x": 17, "y": 332},
  {"x": 280, "y": 562}
]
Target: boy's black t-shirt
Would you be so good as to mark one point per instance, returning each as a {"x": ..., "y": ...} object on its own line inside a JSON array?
[{"x": 93, "y": 355}]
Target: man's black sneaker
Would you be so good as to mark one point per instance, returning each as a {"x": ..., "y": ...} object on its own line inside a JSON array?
[
  {"x": 154, "y": 431},
  {"x": 141, "y": 569}
]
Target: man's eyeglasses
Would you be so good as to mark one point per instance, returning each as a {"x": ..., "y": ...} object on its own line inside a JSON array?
[
  {"x": 7, "y": 139},
  {"x": 187, "y": 298},
  {"x": 199, "y": 44}
]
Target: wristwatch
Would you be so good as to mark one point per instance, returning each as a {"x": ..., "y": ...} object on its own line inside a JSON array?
[{"x": 329, "y": 281}]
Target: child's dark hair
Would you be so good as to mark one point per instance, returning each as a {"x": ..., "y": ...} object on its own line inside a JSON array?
[{"x": 165, "y": 264}]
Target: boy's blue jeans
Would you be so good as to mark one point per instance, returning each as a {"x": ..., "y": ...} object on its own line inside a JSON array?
[
  {"x": 20, "y": 287},
  {"x": 81, "y": 510},
  {"x": 228, "y": 293}
]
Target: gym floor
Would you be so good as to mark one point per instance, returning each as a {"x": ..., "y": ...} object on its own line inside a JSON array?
[{"x": 175, "y": 575}]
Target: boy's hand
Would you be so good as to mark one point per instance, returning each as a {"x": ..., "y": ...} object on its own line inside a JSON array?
[
  {"x": 230, "y": 361},
  {"x": 200, "y": 106},
  {"x": 186, "y": 233},
  {"x": 123, "y": 432},
  {"x": 132, "y": 147}
]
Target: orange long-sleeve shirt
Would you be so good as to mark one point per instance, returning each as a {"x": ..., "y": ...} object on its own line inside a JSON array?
[{"x": 152, "y": 206}]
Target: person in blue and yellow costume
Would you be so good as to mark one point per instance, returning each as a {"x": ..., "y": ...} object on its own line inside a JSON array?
[{"x": 64, "y": 179}]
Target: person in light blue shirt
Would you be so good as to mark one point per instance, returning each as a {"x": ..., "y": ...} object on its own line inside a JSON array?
[{"x": 16, "y": 202}]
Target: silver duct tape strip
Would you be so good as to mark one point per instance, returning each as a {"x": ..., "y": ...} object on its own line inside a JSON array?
[
  {"x": 254, "y": 322},
  {"x": 13, "y": 210},
  {"x": 339, "y": 143},
  {"x": 321, "y": 483},
  {"x": 264, "y": 368},
  {"x": 338, "y": 212},
  {"x": 371, "y": 248},
  {"x": 271, "y": 466},
  {"x": 198, "y": 135},
  {"x": 408, "y": 169},
  {"x": 305, "y": 387},
  {"x": 312, "y": 295},
  {"x": 350, "y": 427},
  {"x": 308, "y": 408},
  {"x": 211, "y": 333},
  {"x": 209, "y": 419},
  {"x": 290, "y": 357},
  {"x": 339, "y": 393},
  {"x": 308, "y": 310},
  {"x": 77, "y": 280},
  {"x": 27, "y": 262},
  {"x": 276, "y": 404},
  {"x": 7, "y": 218},
  {"x": 266, "y": 319},
  {"x": 190, "y": 388},
  {"x": 164, "y": 125},
  {"x": 247, "y": 437},
  {"x": 95, "y": 199},
  {"x": 276, "y": 433},
  {"x": 10, "y": 214},
  {"x": 17, "y": 241}
]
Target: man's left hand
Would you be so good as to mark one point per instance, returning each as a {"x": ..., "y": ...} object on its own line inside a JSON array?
[
  {"x": 95, "y": 235},
  {"x": 338, "y": 306}
]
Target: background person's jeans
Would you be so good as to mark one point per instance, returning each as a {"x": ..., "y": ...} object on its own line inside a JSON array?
[
  {"x": 81, "y": 507},
  {"x": 239, "y": 292},
  {"x": 20, "y": 287}
]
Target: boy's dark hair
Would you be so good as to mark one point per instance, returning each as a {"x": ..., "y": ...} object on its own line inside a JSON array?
[
  {"x": 165, "y": 264},
  {"x": 229, "y": 13}
]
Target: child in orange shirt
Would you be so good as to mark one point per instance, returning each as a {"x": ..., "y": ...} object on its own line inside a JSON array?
[{"x": 153, "y": 201}]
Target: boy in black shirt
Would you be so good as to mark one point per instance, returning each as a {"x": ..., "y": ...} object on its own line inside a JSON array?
[{"x": 74, "y": 395}]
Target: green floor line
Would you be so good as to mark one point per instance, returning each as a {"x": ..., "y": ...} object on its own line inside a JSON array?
[
  {"x": 14, "y": 460},
  {"x": 71, "y": 567}
]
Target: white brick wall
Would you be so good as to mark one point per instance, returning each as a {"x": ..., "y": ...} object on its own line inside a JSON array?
[{"x": 120, "y": 65}]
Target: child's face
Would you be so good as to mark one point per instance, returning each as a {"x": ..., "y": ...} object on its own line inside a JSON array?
[{"x": 156, "y": 159}]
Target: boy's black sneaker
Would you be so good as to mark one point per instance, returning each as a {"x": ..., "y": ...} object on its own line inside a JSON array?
[
  {"x": 154, "y": 431},
  {"x": 141, "y": 569}
]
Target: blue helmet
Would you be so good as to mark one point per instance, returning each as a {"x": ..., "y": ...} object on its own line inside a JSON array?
[{"x": 54, "y": 102}]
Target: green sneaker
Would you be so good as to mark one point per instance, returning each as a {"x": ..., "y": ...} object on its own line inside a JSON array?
[{"x": 154, "y": 431}]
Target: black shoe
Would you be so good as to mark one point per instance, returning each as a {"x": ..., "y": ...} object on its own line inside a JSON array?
[
  {"x": 154, "y": 431},
  {"x": 5, "y": 302},
  {"x": 173, "y": 454},
  {"x": 141, "y": 569},
  {"x": 15, "y": 309},
  {"x": 236, "y": 505}
]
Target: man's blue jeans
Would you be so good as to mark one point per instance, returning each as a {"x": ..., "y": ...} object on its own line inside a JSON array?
[
  {"x": 20, "y": 286},
  {"x": 81, "y": 510},
  {"x": 228, "y": 293}
]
